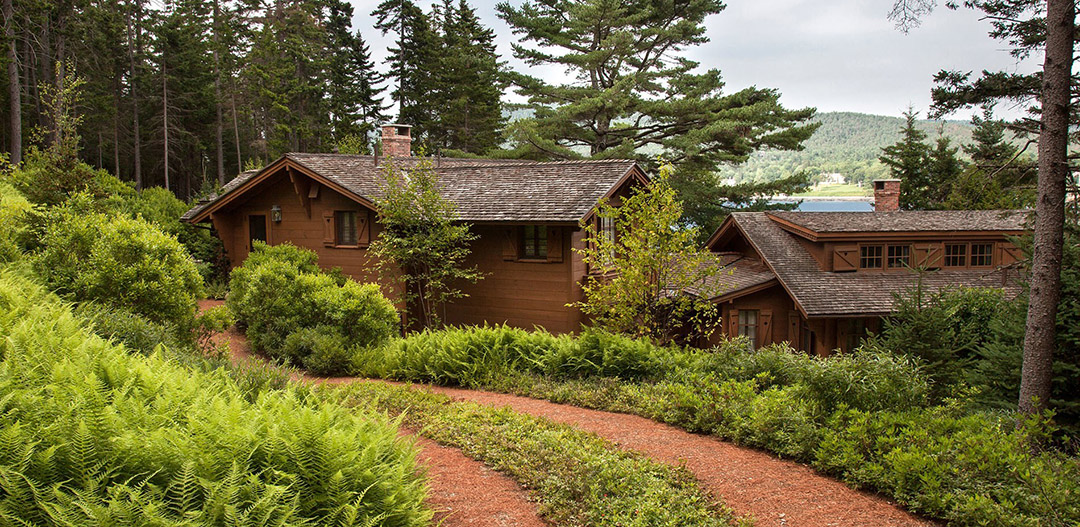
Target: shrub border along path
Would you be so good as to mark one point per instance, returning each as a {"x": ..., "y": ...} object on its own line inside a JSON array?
[{"x": 774, "y": 492}]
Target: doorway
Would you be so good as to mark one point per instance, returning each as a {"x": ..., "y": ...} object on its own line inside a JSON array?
[{"x": 256, "y": 230}]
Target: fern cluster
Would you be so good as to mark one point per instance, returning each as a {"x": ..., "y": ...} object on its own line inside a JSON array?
[{"x": 90, "y": 434}]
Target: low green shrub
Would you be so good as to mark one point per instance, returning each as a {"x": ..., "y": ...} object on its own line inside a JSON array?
[
  {"x": 321, "y": 350},
  {"x": 579, "y": 478},
  {"x": 121, "y": 262},
  {"x": 280, "y": 290},
  {"x": 136, "y": 332},
  {"x": 90, "y": 434}
]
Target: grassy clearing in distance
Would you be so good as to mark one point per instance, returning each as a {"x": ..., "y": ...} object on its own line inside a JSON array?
[
  {"x": 831, "y": 191},
  {"x": 579, "y": 478}
]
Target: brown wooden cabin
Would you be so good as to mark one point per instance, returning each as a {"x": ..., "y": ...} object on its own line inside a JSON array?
[
  {"x": 821, "y": 280},
  {"x": 527, "y": 216}
]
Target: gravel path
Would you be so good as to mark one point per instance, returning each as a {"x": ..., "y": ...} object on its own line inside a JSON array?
[{"x": 773, "y": 491}]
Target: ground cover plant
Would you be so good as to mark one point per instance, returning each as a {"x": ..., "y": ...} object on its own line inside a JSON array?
[
  {"x": 580, "y": 478},
  {"x": 92, "y": 434}
]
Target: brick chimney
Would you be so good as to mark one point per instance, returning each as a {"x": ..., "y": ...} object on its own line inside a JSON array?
[
  {"x": 396, "y": 140},
  {"x": 886, "y": 195}
]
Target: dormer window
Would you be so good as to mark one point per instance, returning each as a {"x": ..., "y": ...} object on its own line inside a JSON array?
[
  {"x": 955, "y": 255},
  {"x": 899, "y": 256},
  {"x": 982, "y": 254},
  {"x": 870, "y": 257}
]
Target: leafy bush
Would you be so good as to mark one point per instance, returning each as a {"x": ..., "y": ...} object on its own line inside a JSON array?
[
  {"x": 91, "y": 434},
  {"x": 136, "y": 332},
  {"x": 121, "y": 262},
  {"x": 320, "y": 349},
  {"x": 162, "y": 208},
  {"x": 280, "y": 290}
]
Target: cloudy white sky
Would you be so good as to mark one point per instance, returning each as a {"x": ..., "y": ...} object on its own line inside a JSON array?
[{"x": 835, "y": 55}]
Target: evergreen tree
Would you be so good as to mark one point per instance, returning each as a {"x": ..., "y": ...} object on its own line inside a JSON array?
[
  {"x": 999, "y": 177},
  {"x": 413, "y": 62},
  {"x": 634, "y": 95},
  {"x": 909, "y": 161},
  {"x": 353, "y": 97},
  {"x": 469, "y": 84}
]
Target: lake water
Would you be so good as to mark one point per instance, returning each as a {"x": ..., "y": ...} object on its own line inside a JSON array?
[{"x": 824, "y": 205}]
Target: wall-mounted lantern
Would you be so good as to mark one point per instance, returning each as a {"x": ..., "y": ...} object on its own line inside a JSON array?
[{"x": 275, "y": 214}]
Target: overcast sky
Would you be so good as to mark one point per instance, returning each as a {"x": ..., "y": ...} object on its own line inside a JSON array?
[{"x": 835, "y": 55}]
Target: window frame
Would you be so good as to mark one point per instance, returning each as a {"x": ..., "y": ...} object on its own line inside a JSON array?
[
  {"x": 880, "y": 256},
  {"x": 338, "y": 224},
  {"x": 988, "y": 255},
  {"x": 537, "y": 252},
  {"x": 963, "y": 256},
  {"x": 906, "y": 257},
  {"x": 742, "y": 327}
]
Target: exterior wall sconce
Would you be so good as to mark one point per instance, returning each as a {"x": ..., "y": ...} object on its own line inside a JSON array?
[{"x": 275, "y": 214}]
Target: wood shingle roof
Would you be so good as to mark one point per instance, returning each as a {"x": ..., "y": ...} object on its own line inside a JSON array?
[
  {"x": 837, "y": 294},
  {"x": 484, "y": 190}
]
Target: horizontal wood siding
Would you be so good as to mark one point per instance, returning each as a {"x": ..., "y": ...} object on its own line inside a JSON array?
[{"x": 517, "y": 293}]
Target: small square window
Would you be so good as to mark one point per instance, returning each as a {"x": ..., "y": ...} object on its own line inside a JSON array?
[
  {"x": 534, "y": 242},
  {"x": 982, "y": 254},
  {"x": 955, "y": 255},
  {"x": 899, "y": 256},
  {"x": 345, "y": 222},
  {"x": 870, "y": 257}
]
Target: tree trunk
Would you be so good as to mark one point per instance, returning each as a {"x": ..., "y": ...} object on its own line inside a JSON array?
[
  {"x": 165, "y": 116},
  {"x": 133, "y": 48},
  {"x": 116, "y": 124},
  {"x": 14, "y": 84},
  {"x": 1040, "y": 332},
  {"x": 236, "y": 132},
  {"x": 218, "y": 126}
]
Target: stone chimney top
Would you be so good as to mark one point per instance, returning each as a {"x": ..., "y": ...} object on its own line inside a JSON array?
[
  {"x": 396, "y": 140},
  {"x": 886, "y": 195}
]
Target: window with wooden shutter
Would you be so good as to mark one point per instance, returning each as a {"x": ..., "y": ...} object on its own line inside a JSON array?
[
  {"x": 328, "y": 228},
  {"x": 1010, "y": 254},
  {"x": 927, "y": 255},
  {"x": 510, "y": 244},
  {"x": 845, "y": 258},
  {"x": 764, "y": 337},
  {"x": 554, "y": 244}
]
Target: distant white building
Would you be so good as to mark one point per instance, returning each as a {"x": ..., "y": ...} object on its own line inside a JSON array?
[{"x": 833, "y": 179}]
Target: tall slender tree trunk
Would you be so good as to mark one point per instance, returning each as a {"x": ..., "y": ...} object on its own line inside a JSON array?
[
  {"x": 14, "y": 84},
  {"x": 1045, "y": 294},
  {"x": 134, "y": 47},
  {"x": 116, "y": 124},
  {"x": 218, "y": 125},
  {"x": 236, "y": 131},
  {"x": 165, "y": 116}
]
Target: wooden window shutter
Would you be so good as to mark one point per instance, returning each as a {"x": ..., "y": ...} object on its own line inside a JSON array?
[
  {"x": 927, "y": 255},
  {"x": 1010, "y": 254},
  {"x": 554, "y": 244},
  {"x": 842, "y": 334},
  {"x": 733, "y": 323},
  {"x": 764, "y": 328},
  {"x": 328, "y": 228},
  {"x": 363, "y": 228},
  {"x": 845, "y": 258},
  {"x": 793, "y": 329},
  {"x": 510, "y": 243}
]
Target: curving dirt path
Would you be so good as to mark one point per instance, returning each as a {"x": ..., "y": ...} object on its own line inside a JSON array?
[
  {"x": 773, "y": 491},
  {"x": 463, "y": 492}
]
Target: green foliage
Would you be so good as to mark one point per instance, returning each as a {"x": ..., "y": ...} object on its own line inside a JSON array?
[
  {"x": 422, "y": 247},
  {"x": 320, "y": 349},
  {"x": 942, "y": 330},
  {"x": 90, "y": 434},
  {"x": 476, "y": 356},
  {"x": 634, "y": 272},
  {"x": 280, "y": 290},
  {"x": 579, "y": 478},
  {"x": 13, "y": 211},
  {"x": 136, "y": 332},
  {"x": 120, "y": 262}
]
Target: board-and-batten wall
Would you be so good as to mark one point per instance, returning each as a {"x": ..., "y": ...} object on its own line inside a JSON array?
[{"x": 523, "y": 294}]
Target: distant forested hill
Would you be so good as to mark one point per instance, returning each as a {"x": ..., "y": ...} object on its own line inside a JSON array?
[{"x": 847, "y": 143}]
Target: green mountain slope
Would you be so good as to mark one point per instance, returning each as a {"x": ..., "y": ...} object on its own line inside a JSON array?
[{"x": 847, "y": 143}]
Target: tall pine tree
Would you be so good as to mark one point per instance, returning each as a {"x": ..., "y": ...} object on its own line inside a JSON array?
[
  {"x": 353, "y": 97},
  {"x": 413, "y": 61}
]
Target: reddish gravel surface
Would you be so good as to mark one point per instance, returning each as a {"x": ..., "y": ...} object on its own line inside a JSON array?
[
  {"x": 463, "y": 492},
  {"x": 773, "y": 491}
]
